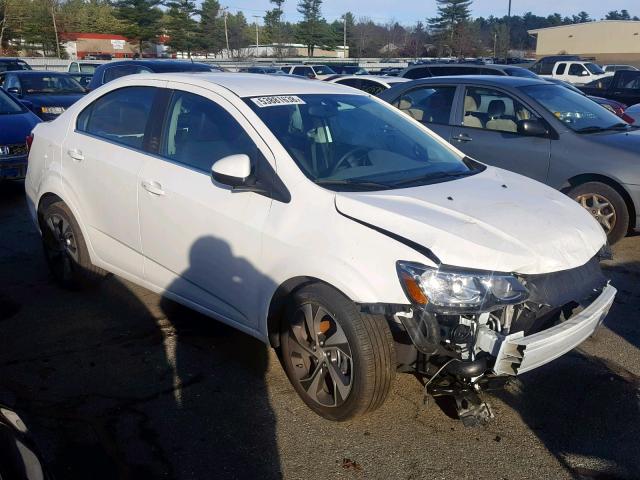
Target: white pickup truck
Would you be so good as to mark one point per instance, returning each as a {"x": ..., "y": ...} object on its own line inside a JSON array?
[{"x": 577, "y": 72}]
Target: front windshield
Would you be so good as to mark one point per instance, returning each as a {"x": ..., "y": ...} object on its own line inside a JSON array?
[
  {"x": 323, "y": 70},
  {"x": 347, "y": 142},
  {"x": 8, "y": 106},
  {"x": 47, "y": 83},
  {"x": 578, "y": 112},
  {"x": 593, "y": 68},
  {"x": 520, "y": 72}
]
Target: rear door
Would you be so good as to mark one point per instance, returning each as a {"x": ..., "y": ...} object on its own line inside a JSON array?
[
  {"x": 431, "y": 105},
  {"x": 488, "y": 131},
  {"x": 102, "y": 156}
]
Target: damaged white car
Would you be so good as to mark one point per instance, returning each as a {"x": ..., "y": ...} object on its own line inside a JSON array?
[{"x": 325, "y": 223}]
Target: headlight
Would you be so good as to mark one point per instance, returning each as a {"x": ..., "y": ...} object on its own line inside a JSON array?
[
  {"x": 459, "y": 291},
  {"x": 52, "y": 110}
]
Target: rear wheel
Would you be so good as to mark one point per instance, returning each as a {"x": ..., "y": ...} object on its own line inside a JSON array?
[
  {"x": 606, "y": 205},
  {"x": 340, "y": 361},
  {"x": 65, "y": 249}
]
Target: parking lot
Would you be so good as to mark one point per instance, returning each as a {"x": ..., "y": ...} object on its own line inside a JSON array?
[{"x": 119, "y": 383}]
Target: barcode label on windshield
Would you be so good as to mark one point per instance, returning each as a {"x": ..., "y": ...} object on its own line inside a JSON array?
[{"x": 277, "y": 100}]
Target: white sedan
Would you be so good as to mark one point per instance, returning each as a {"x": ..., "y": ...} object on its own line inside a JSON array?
[
  {"x": 324, "y": 222},
  {"x": 372, "y": 84}
]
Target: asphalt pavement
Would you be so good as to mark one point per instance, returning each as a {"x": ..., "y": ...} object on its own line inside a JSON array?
[{"x": 117, "y": 383}]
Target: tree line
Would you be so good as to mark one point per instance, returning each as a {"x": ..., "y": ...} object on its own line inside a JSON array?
[{"x": 40, "y": 25}]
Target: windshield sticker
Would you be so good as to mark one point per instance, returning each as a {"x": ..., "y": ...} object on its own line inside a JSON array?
[{"x": 277, "y": 100}]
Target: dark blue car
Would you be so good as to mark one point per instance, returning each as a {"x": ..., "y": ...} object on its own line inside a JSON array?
[
  {"x": 112, "y": 70},
  {"x": 16, "y": 123},
  {"x": 50, "y": 93}
]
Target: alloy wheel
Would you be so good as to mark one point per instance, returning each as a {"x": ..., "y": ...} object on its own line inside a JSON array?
[
  {"x": 320, "y": 355},
  {"x": 601, "y": 209},
  {"x": 60, "y": 245}
]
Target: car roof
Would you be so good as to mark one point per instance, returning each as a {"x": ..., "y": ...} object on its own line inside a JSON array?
[
  {"x": 506, "y": 80},
  {"x": 11, "y": 59},
  {"x": 37, "y": 72},
  {"x": 375, "y": 78},
  {"x": 253, "y": 84},
  {"x": 170, "y": 65}
]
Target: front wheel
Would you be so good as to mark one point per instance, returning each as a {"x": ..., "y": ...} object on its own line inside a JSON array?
[
  {"x": 341, "y": 362},
  {"x": 606, "y": 205}
]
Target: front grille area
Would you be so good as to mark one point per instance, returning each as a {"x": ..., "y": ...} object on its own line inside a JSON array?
[
  {"x": 559, "y": 288},
  {"x": 13, "y": 150}
]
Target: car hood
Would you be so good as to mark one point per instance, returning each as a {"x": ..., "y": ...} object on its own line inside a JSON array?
[
  {"x": 49, "y": 100},
  {"x": 495, "y": 220},
  {"x": 15, "y": 128},
  {"x": 627, "y": 141}
]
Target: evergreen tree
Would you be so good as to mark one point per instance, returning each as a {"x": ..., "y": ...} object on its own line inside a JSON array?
[
  {"x": 182, "y": 28},
  {"x": 212, "y": 27},
  {"x": 450, "y": 23},
  {"x": 141, "y": 19},
  {"x": 311, "y": 31}
]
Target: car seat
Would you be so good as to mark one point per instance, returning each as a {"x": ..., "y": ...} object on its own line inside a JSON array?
[
  {"x": 497, "y": 119},
  {"x": 471, "y": 112}
]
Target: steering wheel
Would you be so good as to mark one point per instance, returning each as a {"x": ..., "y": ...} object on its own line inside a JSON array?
[{"x": 348, "y": 160}]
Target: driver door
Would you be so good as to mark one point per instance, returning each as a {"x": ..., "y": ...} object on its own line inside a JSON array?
[{"x": 202, "y": 242}]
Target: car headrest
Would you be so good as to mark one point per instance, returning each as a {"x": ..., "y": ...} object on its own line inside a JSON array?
[
  {"x": 404, "y": 104},
  {"x": 470, "y": 104},
  {"x": 496, "y": 108}
]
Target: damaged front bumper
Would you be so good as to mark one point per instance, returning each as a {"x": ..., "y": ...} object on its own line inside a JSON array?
[{"x": 516, "y": 353}]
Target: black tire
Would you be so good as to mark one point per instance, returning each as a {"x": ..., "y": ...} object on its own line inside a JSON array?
[
  {"x": 584, "y": 195},
  {"x": 65, "y": 249},
  {"x": 371, "y": 364}
]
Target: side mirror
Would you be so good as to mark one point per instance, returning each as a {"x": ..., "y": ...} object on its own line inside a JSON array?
[
  {"x": 584, "y": 73},
  {"x": 532, "y": 128},
  {"x": 14, "y": 91},
  {"x": 233, "y": 170}
]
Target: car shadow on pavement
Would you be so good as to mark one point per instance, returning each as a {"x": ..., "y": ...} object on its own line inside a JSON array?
[
  {"x": 116, "y": 383},
  {"x": 585, "y": 409}
]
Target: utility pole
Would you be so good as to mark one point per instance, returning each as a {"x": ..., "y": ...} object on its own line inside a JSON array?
[
  {"x": 344, "y": 36},
  {"x": 257, "y": 37},
  {"x": 226, "y": 32},
  {"x": 506, "y": 56}
]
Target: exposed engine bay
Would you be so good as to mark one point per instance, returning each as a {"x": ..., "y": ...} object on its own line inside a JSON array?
[{"x": 463, "y": 354}]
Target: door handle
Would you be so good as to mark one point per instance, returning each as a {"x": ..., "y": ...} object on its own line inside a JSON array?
[
  {"x": 462, "y": 137},
  {"x": 153, "y": 187},
  {"x": 75, "y": 154}
]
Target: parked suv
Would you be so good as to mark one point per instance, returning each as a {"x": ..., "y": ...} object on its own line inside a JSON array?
[
  {"x": 319, "y": 72},
  {"x": 324, "y": 222},
  {"x": 542, "y": 130},
  {"x": 577, "y": 72}
]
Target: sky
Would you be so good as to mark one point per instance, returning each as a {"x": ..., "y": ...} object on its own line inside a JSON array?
[{"x": 410, "y": 11}]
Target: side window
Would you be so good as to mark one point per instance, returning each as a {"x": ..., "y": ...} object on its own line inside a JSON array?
[
  {"x": 577, "y": 69},
  {"x": 561, "y": 68},
  {"x": 350, "y": 82},
  {"x": 73, "y": 67},
  {"x": 371, "y": 87},
  {"x": 428, "y": 104},
  {"x": 120, "y": 116},
  {"x": 302, "y": 71},
  {"x": 491, "y": 71},
  {"x": 198, "y": 132},
  {"x": 493, "y": 110},
  {"x": 117, "y": 72},
  {"x": 11, "y": 81},
  {"x": 414, "y": 73}
]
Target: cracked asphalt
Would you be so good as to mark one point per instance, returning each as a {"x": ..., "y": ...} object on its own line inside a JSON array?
[{"x": 117, "y": 383}]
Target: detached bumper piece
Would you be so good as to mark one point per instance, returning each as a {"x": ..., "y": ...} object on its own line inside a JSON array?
[{"x": 516, "y": 353}]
